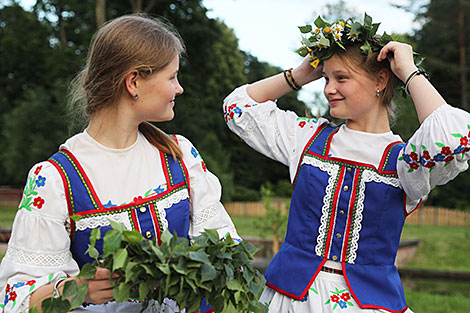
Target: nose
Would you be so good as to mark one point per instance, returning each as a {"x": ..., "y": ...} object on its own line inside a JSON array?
[
  {"x": 179, "y": 88},
  {"x": 330, "y": 89}
]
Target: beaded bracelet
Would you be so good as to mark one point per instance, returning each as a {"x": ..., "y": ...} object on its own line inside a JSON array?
[
  {"x": 419, "y": 71},
  {"x": 290, "y": 80}
]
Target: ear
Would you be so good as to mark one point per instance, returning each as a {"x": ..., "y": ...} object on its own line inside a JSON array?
[
  {"x": 382, "y": 79},
  {"x": 131, "y": 82}
]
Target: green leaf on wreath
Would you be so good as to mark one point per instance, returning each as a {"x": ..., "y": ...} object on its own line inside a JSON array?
[
  {"x": 234, "y": 285},
  {"x": 305, "y": 29},
  {"x": 199, "y": 256}
]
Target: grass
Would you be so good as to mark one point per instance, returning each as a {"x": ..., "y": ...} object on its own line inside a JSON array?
[{"x": 7, "y": 214}]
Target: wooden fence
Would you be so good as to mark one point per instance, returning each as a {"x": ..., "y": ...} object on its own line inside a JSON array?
[{"x": 423, "y": 216}]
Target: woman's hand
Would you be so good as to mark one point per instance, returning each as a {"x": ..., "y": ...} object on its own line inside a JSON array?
[
  {"x": 400, "y": 56},
  {"x": 99, "y": 287},
  {"x": 306, "y": 73}
]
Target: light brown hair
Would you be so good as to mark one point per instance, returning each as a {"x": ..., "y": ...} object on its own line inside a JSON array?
[{"x": 127, "y": 43}]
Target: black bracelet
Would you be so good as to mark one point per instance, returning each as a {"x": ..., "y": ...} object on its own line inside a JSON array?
[
  {"x": 419, "y": 71},
  {"x": 288, "y": 81}
]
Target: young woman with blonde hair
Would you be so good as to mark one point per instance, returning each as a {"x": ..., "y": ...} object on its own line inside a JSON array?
[{"x": 119, "y": 168}]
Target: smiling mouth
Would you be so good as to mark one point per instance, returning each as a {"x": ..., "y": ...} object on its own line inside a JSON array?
[{"x": 334, "y": 101}]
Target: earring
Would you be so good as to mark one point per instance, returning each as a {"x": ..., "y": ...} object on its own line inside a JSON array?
[
  {"x": 135, "y": 96},
  {"x": 378, "y": 92}
]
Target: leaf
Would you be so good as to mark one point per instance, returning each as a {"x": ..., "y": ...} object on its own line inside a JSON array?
[
  {"x": 92, "y": 252},
  {"x": 199, "y": 256},
  {"x": 70, "y": 289},
  {"x": 413, "y": 147},
  {"x": 112, "y": 241},
  {"x": 116, "y": 225},
  {"x": 302, "y": 51},
  {"x": 55, "y": 305},
  {"x": 234, "y": 285},
  {"x": 320, "y": 23},
  {"x": 88, "y": 271},
  {"x": 305, "y": 29},
  {"x": 95, "y": 235},
  {"x": 365, "y": 48},
  {"x": 324, "y": 42},
  {"x": 132, "y": 236},
  {"x": 165, "y": 268},
  {"x": 374, "y": 29},
  {"x": 76, "y": 217},
  {"x": 79, "y": 298},
  {"x": 144, "y": 290},
  {"x": 367, "y": 20},
  {"x": 120, "y": 259},
  {"x": 440, "y": 144},
  {"x": 121, "y": 292},
  {"x": 457, "y": 135},
  {"x": 208, "y": 272}
]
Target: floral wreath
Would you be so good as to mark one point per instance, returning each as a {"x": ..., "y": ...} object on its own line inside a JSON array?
[{"x": 325, "y": 39}]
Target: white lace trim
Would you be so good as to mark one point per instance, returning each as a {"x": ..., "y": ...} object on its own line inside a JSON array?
[
  {"x": 33, "y": 258},
  {"x": 103, "y": 220},
  {"x": 332, "y": 170},
  {"x": 206, "y": 214},
  {"x": 369, "y": 176},
  {"x": 123, "y": 217},
  {"x": 168, "y": 202}
]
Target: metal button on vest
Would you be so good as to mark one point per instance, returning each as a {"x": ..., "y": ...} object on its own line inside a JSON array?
[
  {"x": 338, "y": 235},
  {"x": 349, "y": 169},
  {"x": 148, "y": 234},
  {"x": 345, "y": 188},
  {"x": 341, "y": 212},
  {"x": 143, "y": 209},
  {"x": 334, "y": 258}
]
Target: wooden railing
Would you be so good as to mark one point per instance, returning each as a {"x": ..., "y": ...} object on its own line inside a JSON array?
[{"x": 425, "y": 215}]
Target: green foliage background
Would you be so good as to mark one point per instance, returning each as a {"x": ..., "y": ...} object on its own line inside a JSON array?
[{"x": 41, "y": 50}]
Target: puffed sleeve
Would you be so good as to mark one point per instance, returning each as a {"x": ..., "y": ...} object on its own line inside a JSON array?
[
  {"x": 207, "y": 212},
  {"x": 269, "y": 130},
  {"x": 436, "y": 153},
  {"x": 38, "y": 251}
]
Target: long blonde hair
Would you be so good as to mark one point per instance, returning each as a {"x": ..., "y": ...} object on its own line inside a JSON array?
[{"x": 127, "y": 43}]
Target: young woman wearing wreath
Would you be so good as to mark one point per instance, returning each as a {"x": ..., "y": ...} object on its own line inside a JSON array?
[{"x": 353, "y": 184}]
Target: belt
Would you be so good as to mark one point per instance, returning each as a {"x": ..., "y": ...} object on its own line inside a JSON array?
[{"x": 332, "y": 270}]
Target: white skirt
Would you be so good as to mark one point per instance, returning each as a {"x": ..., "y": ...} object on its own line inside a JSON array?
[{"x": 328, "y": 293}]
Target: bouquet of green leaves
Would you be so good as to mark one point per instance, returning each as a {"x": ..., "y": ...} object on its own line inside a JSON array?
[{"x": 218, "y": 270}]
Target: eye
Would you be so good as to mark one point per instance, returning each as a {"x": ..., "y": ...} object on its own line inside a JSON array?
[{"x": 341, "y": 77}]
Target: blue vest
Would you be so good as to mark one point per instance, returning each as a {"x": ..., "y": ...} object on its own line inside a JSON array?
[
  {"x": 347, "y": 212},
  {"x": 150, "y": 215}
]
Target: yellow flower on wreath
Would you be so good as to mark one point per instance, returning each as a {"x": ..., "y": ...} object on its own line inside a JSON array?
[{"x": 315, "y": 63}]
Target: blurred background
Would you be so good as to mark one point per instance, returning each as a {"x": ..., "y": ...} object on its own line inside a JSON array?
[{"x": 44, "y": 43}]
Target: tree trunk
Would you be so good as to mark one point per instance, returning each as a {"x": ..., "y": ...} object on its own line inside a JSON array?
[
  {"x": 61, "y": 26},
  {"x": 462, "y": 61},
  {"x": 136, "y": 5},
  {"x": 100, "y": 12}
]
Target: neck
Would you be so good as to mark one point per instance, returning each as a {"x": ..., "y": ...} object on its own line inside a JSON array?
[
  {"x": 113, "y": 128},
  {"x": 376, "y": 122}
]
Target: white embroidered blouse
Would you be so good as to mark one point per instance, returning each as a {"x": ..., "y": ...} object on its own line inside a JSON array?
[
  {"x": 39, "y": 249},
  {"x": 434, "y": 155}
]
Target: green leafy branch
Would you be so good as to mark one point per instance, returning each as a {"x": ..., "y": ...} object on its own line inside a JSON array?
[{"x": 218, "y": 270}]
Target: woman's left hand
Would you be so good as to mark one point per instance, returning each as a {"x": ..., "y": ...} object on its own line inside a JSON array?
[{"x": 400, "y": 56}]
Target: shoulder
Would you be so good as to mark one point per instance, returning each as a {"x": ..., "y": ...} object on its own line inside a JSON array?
[{"x": 44, "y": 191}]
